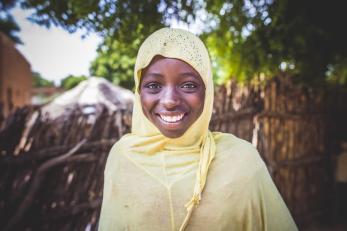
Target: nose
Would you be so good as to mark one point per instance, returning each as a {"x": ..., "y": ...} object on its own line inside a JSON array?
[{"x": 170, "y": 98}]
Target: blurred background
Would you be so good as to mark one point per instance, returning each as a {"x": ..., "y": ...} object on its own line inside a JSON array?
[{"x": 66, "y": 81}]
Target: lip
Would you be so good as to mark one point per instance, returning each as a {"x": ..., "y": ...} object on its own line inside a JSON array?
[
  {"x": 169, "y": 113},
  {"x": 171, "y": 124}
]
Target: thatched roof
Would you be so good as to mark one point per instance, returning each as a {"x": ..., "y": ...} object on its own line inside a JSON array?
[{"x": 90, "y": 95}]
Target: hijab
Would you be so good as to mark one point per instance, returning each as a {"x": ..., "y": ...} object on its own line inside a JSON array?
[{"x": 145, "y": 138}]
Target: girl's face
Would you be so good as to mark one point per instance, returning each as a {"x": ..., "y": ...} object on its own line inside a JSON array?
[{"x": 172, "y": 95}]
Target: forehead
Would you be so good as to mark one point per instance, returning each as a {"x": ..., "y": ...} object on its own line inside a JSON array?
[{"x": 162, "y": 65}]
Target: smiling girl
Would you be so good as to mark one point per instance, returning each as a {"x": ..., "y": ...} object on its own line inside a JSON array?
[{"x": 171, "y": 172}]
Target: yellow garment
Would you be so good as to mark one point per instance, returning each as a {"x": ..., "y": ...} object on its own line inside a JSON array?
[{"x": 149, "y": 177}]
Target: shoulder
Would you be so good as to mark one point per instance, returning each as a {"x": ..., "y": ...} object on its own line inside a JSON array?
[
  {"x": 115, "y": 152},
  {"x": 238, "y": 154},
  {"x": 231, "y": 141},
  {"x": 121, "y": 145}
]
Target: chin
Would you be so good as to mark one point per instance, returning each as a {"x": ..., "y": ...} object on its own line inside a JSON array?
[{"x": 172, "y": 135}]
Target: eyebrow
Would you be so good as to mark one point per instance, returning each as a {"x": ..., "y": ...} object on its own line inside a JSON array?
[
  {"x": 153, "y": 74},
  {"x": 181, "y": 74},
  {"x": 190, "y": 74}
]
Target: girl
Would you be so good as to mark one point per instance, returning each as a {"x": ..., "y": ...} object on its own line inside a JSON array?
[{"x": 171, "y": 172}]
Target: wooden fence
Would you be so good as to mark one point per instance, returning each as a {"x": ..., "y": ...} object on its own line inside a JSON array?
[
  {"x": 54, "y": 179},
  {"x": 51, "y": 175},
  {"x": 293, "y": 130},
  {"x": 291, "y": 127}
]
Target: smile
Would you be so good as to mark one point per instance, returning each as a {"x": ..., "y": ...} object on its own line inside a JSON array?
[{"x": 172, "y": 119}]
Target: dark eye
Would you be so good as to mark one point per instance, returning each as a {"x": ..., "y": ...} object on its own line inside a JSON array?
[
  {"x": 189, "y": 86},
  {"x": 152, "y": 86}
]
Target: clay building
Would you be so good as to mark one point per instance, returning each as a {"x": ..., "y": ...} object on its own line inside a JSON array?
[{"x": 15, "y": 77}]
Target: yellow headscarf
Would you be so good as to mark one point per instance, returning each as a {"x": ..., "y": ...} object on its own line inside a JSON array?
[{"x": 145, "y": 137}]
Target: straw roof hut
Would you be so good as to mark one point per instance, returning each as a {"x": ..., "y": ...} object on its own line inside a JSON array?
[{"x": 90, "y": 95}]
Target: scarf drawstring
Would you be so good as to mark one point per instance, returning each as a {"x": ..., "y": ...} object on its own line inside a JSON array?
[{"x": 208, "y": 152}]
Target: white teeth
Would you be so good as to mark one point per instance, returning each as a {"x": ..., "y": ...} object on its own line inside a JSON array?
[{"x": 172, "y": 119}]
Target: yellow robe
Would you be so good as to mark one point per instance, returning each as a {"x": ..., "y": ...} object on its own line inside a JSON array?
[
  {"x": 239, "y": 193},
  {"x": 199, "y": 181}
]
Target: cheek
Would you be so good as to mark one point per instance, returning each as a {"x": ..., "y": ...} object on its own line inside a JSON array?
[
  {"x": 197, "y": 102},
  {"x": 146, "y": 104},
  {"x": 202, "y": 99}
]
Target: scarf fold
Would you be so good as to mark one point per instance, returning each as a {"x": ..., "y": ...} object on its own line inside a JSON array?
[{"x": 207, "y": 154}]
